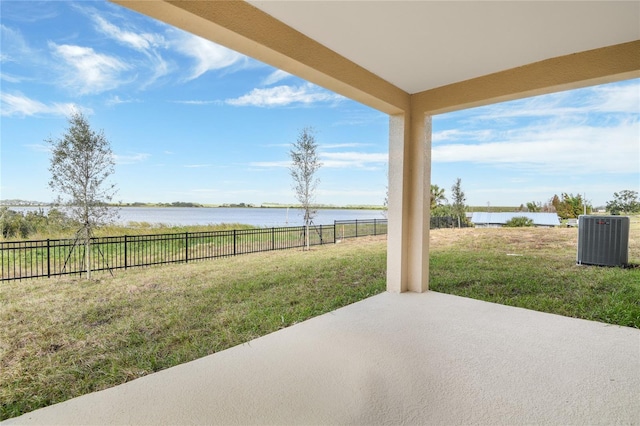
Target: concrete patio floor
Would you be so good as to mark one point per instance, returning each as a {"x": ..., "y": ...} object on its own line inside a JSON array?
[{"x": 407, "y": 358}]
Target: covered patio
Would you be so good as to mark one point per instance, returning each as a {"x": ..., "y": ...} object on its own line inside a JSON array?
[
  {"x": 416, "y": 59},
  {"x": 408, "y": 356},
  {"x": 411, "y": 358}
]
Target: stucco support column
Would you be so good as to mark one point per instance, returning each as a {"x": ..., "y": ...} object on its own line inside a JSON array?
[{"x": 409, "y": 203}]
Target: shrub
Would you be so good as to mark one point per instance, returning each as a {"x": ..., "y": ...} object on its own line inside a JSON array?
[
  {"x": 14, "y": 224},
  {"x": 519, "y": 222}
]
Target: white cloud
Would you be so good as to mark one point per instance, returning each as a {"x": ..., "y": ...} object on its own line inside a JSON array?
[
  {"x": 356, "y": 160},
  {"x": 275, "y": 77},
  {"x": 456, "y": 134},
  {"x": 22, "y": 11},
  {"x": 285, "y": 95},
  {"x": 142, "y": 42},
  {"x": 207, "y": 55},
  {"x": 14, "y": 46},
  {"x": 573, "y": 150},
  {"x": 270, "y": 164},
  {"x": 590, "y": 130},
  {"x": 361, "y": 117},
  {"x": 344, "y": 145},
  {"x": 198, "y": 102},
  {"x": 89, "y": 72},
  {"x": 350, "y": 194},
  {"x": 130, "y": 158},
  {"x": 336, "y": 160},
  {"x": 37, "y": 147},
  {"x": 116, "y": 100},
  {"x": 277, "y": 145},
  {"x": 10, "y": 78},
  {"x": 204, "y": 190},
  {"x": 621, "y": 98},
  {"x": 17, "y": 105}
]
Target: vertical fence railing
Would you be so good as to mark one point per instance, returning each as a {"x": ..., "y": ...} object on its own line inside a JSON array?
[{"x": 54, "y": 257}]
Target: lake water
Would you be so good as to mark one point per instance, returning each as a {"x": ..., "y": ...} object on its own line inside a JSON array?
[{"x": 267, "y": 217}]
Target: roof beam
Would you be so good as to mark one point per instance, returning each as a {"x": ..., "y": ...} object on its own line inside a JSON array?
[
  {"x": 248, "y": 30},
  {"x": 592, "y": 67}
]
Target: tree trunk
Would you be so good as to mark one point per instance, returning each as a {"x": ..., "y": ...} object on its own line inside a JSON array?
[
  {"x": 307, "y": 236},
  {"x": 87, "y": 252}
]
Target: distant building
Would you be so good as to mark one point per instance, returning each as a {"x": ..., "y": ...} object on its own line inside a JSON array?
[{"x": 498, "y": 220}]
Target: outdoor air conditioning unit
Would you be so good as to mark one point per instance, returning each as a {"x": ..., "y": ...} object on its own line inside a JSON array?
[{"x": 603, "y": 240}]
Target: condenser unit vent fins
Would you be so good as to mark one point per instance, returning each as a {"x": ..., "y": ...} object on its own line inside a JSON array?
[{"x": 603, "y": 240}]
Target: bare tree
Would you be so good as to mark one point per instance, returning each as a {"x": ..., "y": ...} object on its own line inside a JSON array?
[
  {"x": 385, "y": 205},
  {"x": 304, "y": 165},
  {"x": 81, "y": 163}
]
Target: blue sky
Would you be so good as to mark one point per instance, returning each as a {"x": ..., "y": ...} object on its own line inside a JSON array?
[{"x": 189, "y": 120}]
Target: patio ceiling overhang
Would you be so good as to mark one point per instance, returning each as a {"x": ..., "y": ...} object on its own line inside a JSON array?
[
  {"x": 415, "y": 59},
  {"x": 445, "y": 55}
]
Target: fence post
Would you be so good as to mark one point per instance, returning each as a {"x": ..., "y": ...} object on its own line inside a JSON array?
[
  {"x": 356, "y": 228},
  {"x": 273, "y": 238},
  {"x": 48, "y": 259},
  {"x": 186, "y": 247},
  {"x": 375, "y": 222},
  {"x": 321, "y": 242},
  {"x": 126, "y": 262},
  {"x": 234, "y": 242},
  {"x": 335, "y": 237}
]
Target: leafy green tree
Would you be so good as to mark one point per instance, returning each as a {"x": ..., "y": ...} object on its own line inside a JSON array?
[
  {"x": 305, "y": 163},
  {"x": 534, "y": 207},
  {"x": 80, "y": 165},
  {"x": 624, "y": 202},
  {"x": 13, "y": 224},
  {"x": 458, "y": 206},
  {"x": 555, "y": 203},
  {"x": 442, "y": 210},
  {"x": 570, "y": 206}
]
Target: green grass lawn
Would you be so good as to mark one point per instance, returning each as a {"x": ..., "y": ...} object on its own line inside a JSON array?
[
  {"x": 537, "y": 271},
  {"x": 64, "y": 337}
]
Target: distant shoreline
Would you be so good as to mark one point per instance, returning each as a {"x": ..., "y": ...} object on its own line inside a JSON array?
[
  {"x": 181, "y": 204},
  {"x": 21, "y": 203},
  {"x": 197, "y": 205}
]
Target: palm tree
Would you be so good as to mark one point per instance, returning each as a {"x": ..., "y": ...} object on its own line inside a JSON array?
[{"x": 437, "y": 196}]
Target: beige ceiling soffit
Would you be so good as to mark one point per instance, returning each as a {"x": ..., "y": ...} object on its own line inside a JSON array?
[
  {"x": 592, "y": 67},
  {"x": 248, "y": 30}
]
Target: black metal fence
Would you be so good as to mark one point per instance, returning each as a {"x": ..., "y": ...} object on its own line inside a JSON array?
[
  {"x": 47, "y": 258},
  {"x": 438, "y": 222}
]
